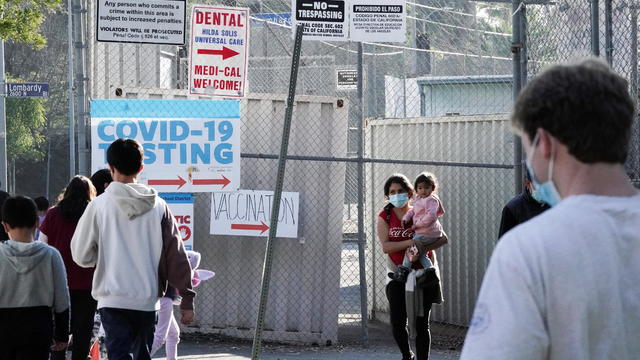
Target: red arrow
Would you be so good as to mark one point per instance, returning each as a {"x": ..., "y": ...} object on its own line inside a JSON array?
[
  {"x": 225, "y": 52},
  {"x": 179, "y": 182},
  {"x": 224, "y": 181},
  {"x": 264, "y": 227}
]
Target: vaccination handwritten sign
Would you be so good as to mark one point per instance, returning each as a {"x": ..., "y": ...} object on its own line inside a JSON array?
[
  {"x": 189, "y": 145},
  {"x": 248, "y": 213}
]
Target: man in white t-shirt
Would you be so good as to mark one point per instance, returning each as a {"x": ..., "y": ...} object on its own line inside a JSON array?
[{"x": 566, "y": 285}]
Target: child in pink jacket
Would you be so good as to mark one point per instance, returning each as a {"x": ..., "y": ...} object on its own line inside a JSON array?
[{"x": 427, "y": 208}]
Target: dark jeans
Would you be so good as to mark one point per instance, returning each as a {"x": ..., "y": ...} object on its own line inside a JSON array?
[
  {"x": 26, "y": 333},
  {"x": 83, "y": 311},
  {"x": 398, "y": 316},
  {"x": 129, "y": 333}
]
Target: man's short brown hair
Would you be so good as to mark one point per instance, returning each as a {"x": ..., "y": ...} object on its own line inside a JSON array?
[{"x": 586, "y": 106}]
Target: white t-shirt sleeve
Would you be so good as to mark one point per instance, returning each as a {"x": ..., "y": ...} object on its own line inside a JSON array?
[{"x": 508, "y": 321}]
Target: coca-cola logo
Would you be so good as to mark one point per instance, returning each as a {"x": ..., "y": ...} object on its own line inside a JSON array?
[{"x": 399, "y": 232}]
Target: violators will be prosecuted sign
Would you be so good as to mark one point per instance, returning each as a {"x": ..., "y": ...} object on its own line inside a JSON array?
[{"x": 142, "y": 21}]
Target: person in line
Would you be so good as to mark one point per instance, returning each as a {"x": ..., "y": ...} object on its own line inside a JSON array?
[
  {"x": 395, "y": 239},
  {"x": 167, "y": 329},
  {"x": 565, "y": 284},
  {"x": 424, "y": 217},
  {"x": 521, "y": 208},
  {"x": 35, "y": 298},
  {"x": 101, "y": 179},
  {"x": 42, "y": 205},
  {"x": 3, "y": 197},
  {"x": 131, "y": 238},
  {"x": 57, "y": 230}
]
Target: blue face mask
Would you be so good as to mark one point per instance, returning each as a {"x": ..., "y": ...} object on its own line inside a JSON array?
[
  {"x": 546, "y": 192},
  {"x": 399, "y": 200}
]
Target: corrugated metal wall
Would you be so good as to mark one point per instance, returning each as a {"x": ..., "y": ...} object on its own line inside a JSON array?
[{"x": 473, "y": 193}]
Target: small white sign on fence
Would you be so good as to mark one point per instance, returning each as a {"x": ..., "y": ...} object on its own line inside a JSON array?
[{"x": 248, "y": 213}]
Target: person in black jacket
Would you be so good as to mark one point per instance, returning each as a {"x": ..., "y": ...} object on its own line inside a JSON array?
[{"x": 521, "y": 208}]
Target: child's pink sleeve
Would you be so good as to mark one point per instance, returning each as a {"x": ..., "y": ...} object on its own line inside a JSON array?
[{"x": 408, "y": 216}]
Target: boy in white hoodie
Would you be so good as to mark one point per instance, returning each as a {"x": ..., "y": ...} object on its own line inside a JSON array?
[{"x": 132, "y": 239}]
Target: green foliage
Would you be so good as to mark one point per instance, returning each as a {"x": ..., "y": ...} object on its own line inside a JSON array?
[{"x": 20, "y": 20}]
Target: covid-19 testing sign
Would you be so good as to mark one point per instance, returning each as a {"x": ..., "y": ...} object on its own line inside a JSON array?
[{"x": 188, "y": 145}]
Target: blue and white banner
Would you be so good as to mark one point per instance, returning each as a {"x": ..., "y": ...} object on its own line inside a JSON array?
[
  {"x": 181, "y": 206},
  {"x": 189, "y": 145}
]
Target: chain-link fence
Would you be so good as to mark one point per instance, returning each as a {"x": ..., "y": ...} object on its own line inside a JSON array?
[{"x": 438, "y": 102}]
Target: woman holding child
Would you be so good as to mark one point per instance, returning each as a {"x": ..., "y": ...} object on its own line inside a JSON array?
[{"x": 397, "y": 239}]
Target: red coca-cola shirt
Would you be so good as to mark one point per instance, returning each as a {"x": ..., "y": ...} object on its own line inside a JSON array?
[{"x": 397, "y": 232}]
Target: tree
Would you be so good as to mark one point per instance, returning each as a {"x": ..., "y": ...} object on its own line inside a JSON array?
[
  {"x": 20, "y": 20},
  {"x": 25, "y": 118}
]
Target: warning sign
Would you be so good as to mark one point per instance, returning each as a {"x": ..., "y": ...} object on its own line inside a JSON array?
[
  {"x": 346, "y": 79},
  {"x": 219, "y": 51},
  {"x": 142, "y": 21},
  {"x": 322, "y": 19},
  {"x": 378, "y": 20}
]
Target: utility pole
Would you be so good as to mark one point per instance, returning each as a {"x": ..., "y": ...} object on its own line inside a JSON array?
[
  {"x": 3, "y": 122},
  {"x": 79, "y": 47}
]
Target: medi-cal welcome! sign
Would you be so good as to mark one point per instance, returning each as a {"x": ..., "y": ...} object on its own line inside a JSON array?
[{"x": 219, "y": 51}]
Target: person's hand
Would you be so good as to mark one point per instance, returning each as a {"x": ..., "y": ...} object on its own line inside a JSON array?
[
  {"x": 186, "y": 316},
  {"x": 59, "y": 346}
]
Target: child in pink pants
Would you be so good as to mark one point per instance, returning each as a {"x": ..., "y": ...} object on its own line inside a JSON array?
[{"x": 167, "y": 329}]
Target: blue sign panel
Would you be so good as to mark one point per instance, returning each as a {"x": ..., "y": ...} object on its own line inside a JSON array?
[
  {"x": 28, "y": 90},
  {"x": 281, "y": 19}
]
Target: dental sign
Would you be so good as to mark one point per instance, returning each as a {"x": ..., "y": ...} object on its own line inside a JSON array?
[
  {"x": 219, "y": 51},
  {"x": 188, "y": 145}
]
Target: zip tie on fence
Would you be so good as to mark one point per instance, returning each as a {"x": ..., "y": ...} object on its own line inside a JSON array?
[
  {"x": 440, "y": 52},
  {"x": 459, "y": 27},
  {"x": 518, "y": 9}
]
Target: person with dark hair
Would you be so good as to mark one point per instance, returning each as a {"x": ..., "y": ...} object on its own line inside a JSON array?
[
  {"x": 101, "y": 179},
  {"x": 57, "y": 230},
  {"x": 566, "y": 284},
  {"x": 521, "y": 208},
  {"x": 3, "y": 197},
  {"x": 130, "y": 227},
  {"x": 43, "y": 205},
  {"x": 424, "y": 217},
  {"x": 34, "y": 285},
  {"x": 396, "y": 239}
]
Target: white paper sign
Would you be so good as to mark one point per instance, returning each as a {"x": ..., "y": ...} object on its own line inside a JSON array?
[
  {"x": 181, "y": 206},
  {"x": 142, "y": 21},
  {"x": 378, "y": 20},
  {"x": 248, "y": 213},
  {"x": 323, "y": 19},
  {"x": 219, "y": 51}
]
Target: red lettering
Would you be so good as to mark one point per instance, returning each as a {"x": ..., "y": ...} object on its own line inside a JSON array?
[{"x": 216, "y": 18}]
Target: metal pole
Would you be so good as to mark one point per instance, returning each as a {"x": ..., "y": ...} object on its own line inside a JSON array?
[
  {"x": 608, "y": 31},
  {"x": 3, "y": 123},
  {"x": 634, "y": 73},
  {"x": 516, "y": 49},
  {"x": 362, "y": 239},
  {"x": 80, "y": 78},
  {"x": 72, "y": 140},
  {"x": 277, "y": 196},
  {"x": 48, "y": 164},
  {"x": 595, "y": 27}
]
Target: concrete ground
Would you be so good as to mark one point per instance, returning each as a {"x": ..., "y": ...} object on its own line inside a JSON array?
[{"x": 382, "y": 346}]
